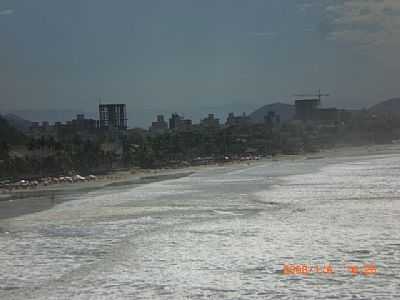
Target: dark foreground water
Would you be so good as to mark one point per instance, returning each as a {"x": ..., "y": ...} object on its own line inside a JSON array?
[{"x": 224, "y": 233}]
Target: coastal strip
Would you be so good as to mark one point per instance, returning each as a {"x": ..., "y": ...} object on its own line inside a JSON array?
[{"x": 19, "y": 203}]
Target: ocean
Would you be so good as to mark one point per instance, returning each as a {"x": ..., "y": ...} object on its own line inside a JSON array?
[{"x": 222, "y": 233}]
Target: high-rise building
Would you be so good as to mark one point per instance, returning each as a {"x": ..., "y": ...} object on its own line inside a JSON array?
[
  {"x": 175, "y": 121},
  {"x": 113, "y": 116}
]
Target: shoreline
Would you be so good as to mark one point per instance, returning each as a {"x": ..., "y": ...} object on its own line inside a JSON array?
[
  {"x": 26, "y": 202},
  {"x": 143, "y": 176},
  {"x": 123, "y": 178},
  {"x": 119, "y": 178},
  {"x": 21, "y": 202},
  {"x": 115, "y": 178}
]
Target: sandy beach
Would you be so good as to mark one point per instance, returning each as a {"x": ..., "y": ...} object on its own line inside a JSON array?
[{"x": 20, "y": 202}]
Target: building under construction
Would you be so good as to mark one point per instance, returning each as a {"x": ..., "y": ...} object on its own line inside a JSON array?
[
  {"x": 112, "y": 116},
  {"x": 307, "y": 109}
]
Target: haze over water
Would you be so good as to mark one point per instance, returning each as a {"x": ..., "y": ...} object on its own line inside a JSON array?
[{"x": 223, "y": 233}]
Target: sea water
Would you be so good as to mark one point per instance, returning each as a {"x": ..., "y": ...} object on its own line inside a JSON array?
[{"x": 222, "y": 233}]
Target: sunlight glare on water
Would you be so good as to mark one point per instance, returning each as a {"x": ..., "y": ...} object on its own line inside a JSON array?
[{"x": 223, "y": 233}]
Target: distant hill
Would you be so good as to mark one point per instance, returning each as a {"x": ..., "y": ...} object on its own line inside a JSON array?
[
  {"x": 49, "y": 115},
  {"x": 18, "y": 122},
  {"x": 286, "y": 112},
  {"x": 391, "y": 106}
]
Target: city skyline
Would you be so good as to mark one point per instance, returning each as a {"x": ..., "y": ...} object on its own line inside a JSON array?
[{"x": 196, "y": 57}]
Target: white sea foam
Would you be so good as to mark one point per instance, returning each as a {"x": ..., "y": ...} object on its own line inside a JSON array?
[{"x": 201, "y": 238}]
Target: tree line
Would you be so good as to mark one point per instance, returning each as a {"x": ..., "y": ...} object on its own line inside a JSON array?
[{"x": 73, "y": 152}]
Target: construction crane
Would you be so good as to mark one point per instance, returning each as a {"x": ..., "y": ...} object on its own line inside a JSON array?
[{"x": 319, "y": 95}]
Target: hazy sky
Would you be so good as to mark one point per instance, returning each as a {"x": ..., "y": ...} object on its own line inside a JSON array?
[{"x": 196, "y": 56}]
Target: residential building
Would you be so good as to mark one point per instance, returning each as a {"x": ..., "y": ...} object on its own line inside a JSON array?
[
  {"x": 159, "y": 126},
  {"x": 80, "y": 123},
  {"x": 210, "y": 122},
  {"x": 233, "y": 120},
  {"x": 328, "y": 115},
  {"x": 113, "y": 116},
  {"x": 175, "y": 121}
]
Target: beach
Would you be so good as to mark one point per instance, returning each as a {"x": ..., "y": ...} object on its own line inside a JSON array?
[
  {"x": 221, "y": 232},
  {"x": 20, "y": 202},
  {"x": 27, "y": 201}
]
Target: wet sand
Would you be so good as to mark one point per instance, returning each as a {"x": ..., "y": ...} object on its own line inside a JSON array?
[{"x": 18, "y": 203}]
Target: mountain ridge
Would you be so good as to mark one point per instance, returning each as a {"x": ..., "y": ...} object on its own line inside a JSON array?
[
  {"x": 389, "y": 106},
  {"x": 284, "y": 110},
  {"x": 17, "y": 122}
]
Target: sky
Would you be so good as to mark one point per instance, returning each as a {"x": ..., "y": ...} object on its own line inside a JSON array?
[{"x": 196, "y": 56}]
